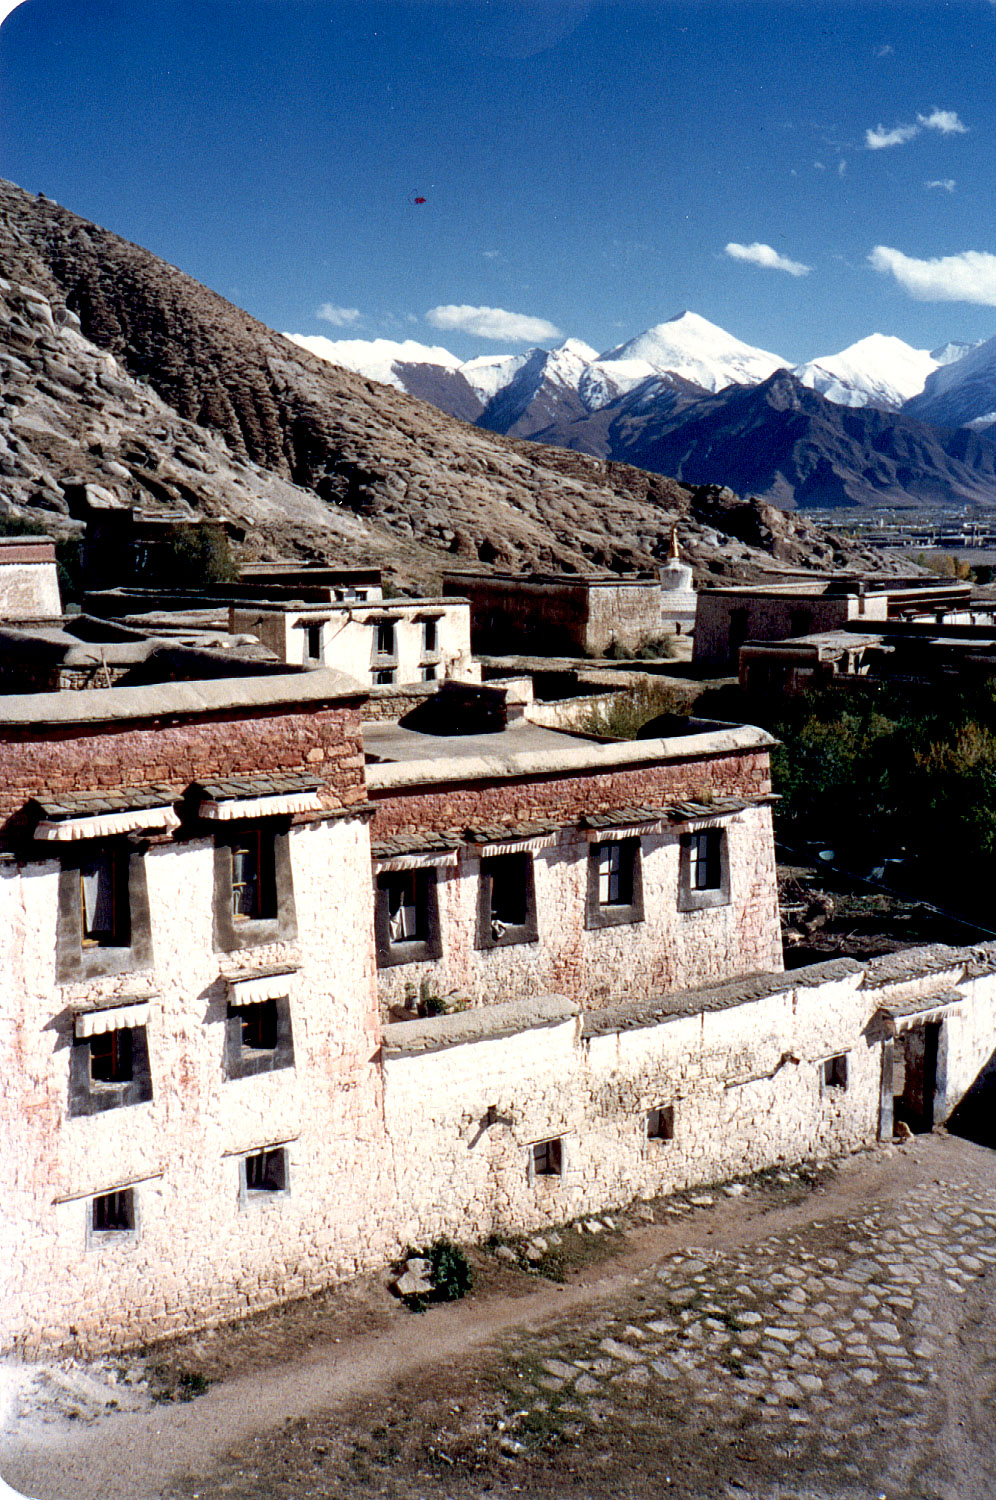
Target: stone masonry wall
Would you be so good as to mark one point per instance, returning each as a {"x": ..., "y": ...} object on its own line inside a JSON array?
[
  {"x": 84, "y": 758},
  {"x": 200, "y": 1254},
  {"x": 525, "y": 799},
  {"x": 668, "y": 949}
]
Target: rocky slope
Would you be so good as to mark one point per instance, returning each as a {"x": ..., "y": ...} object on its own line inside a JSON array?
[{"x": 120, "y": 372}]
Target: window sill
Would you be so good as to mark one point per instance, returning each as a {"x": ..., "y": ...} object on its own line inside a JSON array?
[
  {"x": 703, "y": 900},
  {"x": 417, "y": 951},
  {"x": 613, "y": 916},
  {"x": 512, "y": 937}
]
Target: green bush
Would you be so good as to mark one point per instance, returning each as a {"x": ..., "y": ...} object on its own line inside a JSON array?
[{"x": 631, "y": 709}]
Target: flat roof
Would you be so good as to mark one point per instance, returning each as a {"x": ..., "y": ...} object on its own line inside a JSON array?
[
  {"x": 399, "y": 757},
  {"x": 285, "y": 690},
  {"x": 565, "y": 580}
]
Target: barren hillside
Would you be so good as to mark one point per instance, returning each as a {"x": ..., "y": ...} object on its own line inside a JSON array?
[{"x": 122, "y": 372}]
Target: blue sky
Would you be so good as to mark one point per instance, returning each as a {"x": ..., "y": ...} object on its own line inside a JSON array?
[{"x": 584, "y": 164}]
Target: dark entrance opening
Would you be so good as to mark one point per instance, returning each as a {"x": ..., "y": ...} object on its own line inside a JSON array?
[{"x": 914, "y": 1076}]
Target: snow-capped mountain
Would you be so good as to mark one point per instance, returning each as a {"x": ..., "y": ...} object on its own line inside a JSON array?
[
  {"x": 699, "y": 351},
  {"x": 961, "y": 394},
  {"x": 878, "y": 371},
  {"x": 376, "y": 358}
]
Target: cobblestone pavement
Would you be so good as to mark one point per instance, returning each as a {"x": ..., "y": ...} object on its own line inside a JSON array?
[{"x": 834, "y": 1353}]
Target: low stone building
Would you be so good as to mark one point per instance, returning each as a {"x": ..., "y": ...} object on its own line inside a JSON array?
[
  {"x": 728, "y": 618},
  {"x": 29, "y": 584},
  {"x": 556, "y": 615},
  {"x": 202, "y": 1112},
  {"x": 382, "y": 643},
  {"x": 512, "y": 859}
]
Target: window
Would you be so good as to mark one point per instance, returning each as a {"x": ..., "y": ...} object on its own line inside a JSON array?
[
  {"x": 253, "y": 891},
  {"x": 258, "y": 1038},
  {"x": 548, "y": 1158},
  {"x": 704, "y": 879},
  {"x": 383, "y": 677},
  {"x": 800, "y": 622},
  {"x": 384, "y": 638},
  {"x": 704, "y": 860},
  {"x": 430, "y": 673},
  {"x": 407, "y": 917},
  {"x": 104, "y": 900},
  {"x": 265, "y": 1172},
  {"x": 660, "y": 1123},
  {"x": 314, "y": 642},
  {"x": 253, "y": 886},
  {"x": 104, "y": 925},
  {"x": 113, "y": 1213},
  {"x": 835, "y": 1072},
  {"x": 430, "y": 637},
  {"x": 111, "y": 1057},
  {"x": 109, "y": 1071},
  {"x": 615, "y": 883},
  {"x": 507, "y": 901}
]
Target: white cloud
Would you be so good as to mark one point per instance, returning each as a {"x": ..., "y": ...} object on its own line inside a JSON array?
[
  {"x": 944, "y": 120},
  {"x": 888, "y": 49},
  {"x": 948, "y": 184},
  {"x": 842, "y": 164},
  {"x": 339, "y": 317},
  {"x": 879, "y": 138},
  {"x": 492, "y": 323},
  {"x": 969, "y": 277},
  {"x": 764, "y": 255}
]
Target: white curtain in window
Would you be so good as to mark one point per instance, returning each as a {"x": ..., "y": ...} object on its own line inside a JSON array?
[{"x": 97, "y": 885}]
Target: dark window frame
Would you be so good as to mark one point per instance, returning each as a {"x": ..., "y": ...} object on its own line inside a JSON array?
[
  {"x": 616, "y": 913},
  {"x": 660, "y": 1123},
  {"x": 512, "y": 933},
  {"x": 279, "y": 924},
  {"x": 264, "y": 1175},
  {"x": 430, "y": 638},
  {"x": 835, "y": 1073},
  {"x": 428, "y": 944},
  {"x": 385, "y": 641},
  {"x": 693, "y": 897},
  {"x": 245, "y": 1060},
  {"x": 117, "y": 1213},
  {"x": 89, "y": 1095},
  {"x": 76, "y": 956},
  {"x": 313, "y": 642},
  {"x": 546, "y": 1158}
]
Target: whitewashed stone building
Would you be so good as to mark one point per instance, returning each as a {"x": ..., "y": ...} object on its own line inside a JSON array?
[{"x": 202, "y": 1109}]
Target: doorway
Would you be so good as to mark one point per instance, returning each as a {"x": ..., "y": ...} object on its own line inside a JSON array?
[{"x": 914, "y": 1076}]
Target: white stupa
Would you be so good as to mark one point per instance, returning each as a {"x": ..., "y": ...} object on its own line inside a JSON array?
[{"x": 677, "y": 591}]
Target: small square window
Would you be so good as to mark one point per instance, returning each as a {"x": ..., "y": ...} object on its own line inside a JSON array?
[
  {"x": 430, "y": 673},
  {"x": 407, "y": 917},
  {"x": 660, "y": 1123},
  {"x": 253, "y": 887},
  {"x": 266, "y": 1171},
  {"x": 258, "y": 1038},
  {"x": 548, "y": 1158},
  {"x": 704, "y": 860},
  {"x": 508, "y": 900},
  {"x": 704, "y": 879},
  {"x": 113, "y": 1213},
  {"x": 835, "y": 1072},
  {"x": 104, "y": 900},
  {"x": 111, "y": 1057},
  {"x": 383, "y": 677},
  {"x": 615, "y": 883},
  {"x": 259, "y": 1026}
]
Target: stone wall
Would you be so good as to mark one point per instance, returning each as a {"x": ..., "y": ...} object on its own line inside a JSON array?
[
  {"x": 667, "y": 949},
  {"x": 29, "y": 584},
  {"x": 770, "y": 617},
  {"x": 528, "y": 798},
  {"x": 90, "y": 758},
  {"x": 201, "y": 1251}
]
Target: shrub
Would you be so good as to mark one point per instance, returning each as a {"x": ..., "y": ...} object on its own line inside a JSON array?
[{"x": 631, "y": 709}]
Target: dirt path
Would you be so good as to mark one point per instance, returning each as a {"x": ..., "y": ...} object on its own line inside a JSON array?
[{"x": 269, "y": 1378}]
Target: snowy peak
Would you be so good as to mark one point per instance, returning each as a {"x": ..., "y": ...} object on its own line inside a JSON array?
[
  {"x": 695, "y": 349},
  {"x": 879, "y": 371},
  {"x": 376, "y": 358},
  {"x": 961, "y": 394}
]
